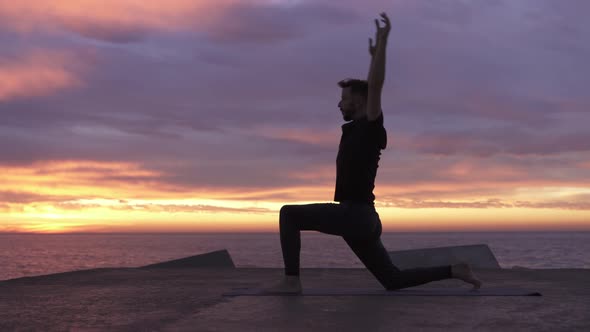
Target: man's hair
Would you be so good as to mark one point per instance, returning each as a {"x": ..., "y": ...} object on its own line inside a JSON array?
[{"x": 358, "y": 87}]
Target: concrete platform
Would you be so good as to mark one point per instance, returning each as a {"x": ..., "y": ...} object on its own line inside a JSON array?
[
  {"x": 476, "y": 255},
  {"x": 189, "y": 299}
]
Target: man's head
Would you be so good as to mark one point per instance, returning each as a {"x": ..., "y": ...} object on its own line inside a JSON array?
[{"x": 353, "y": 104}]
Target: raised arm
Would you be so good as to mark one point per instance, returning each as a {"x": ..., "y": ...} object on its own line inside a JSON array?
[{"x": 376, "y": 77}]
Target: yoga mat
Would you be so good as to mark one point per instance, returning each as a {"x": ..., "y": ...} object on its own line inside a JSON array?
[{"x": 485, "y": 291}]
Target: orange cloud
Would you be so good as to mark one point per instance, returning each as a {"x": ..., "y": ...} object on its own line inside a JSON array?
[
  {"x": 40, "y": 73},
  {"x": 63, "y": 196},
  {"x": 79, "y": 179},
  {"x": 4, "y": 207},
  {"x": 26, "y": 15},
  {"x": 420, "y": 204},
  {"x": 121, "y": 21},
  {"x": 484, "y": 204},
  {"x": 478, "y": 169},
  {"x": 123, "y": 205}
]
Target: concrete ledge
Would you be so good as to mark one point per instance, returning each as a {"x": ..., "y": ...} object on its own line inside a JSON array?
[
  {"x": 220, "y": 258},
  {"x": 478, "y": 256}
]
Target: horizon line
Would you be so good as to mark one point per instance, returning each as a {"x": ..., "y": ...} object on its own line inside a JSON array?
[{"x": 277, "y": 232}]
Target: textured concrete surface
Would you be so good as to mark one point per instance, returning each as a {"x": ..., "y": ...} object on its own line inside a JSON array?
[
  {"x": 477, "y": 255},
  {"x": 160, "y": 299}
]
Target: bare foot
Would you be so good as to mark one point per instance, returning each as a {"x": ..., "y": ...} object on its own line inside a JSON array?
[
  {"x": 289, "y": 285},
  {"x": 463, "y": 271}
]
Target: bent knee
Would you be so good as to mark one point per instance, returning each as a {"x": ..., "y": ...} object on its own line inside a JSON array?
[{"x": 285, "y": 211}]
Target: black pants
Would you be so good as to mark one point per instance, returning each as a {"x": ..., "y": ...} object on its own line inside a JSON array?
[{"x": 360, "y": 226}]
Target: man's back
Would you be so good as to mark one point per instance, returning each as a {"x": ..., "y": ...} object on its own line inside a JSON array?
[{"x": 357, "y": 161}]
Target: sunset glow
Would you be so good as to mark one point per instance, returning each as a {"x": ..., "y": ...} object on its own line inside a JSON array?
[{"x": 65, "y": 197}]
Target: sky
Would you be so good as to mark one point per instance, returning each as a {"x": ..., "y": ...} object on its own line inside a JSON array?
[{"x": 193, "y": 115}]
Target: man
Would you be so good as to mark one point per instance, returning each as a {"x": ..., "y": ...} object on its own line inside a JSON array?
[{"x": 355, "y": 218}]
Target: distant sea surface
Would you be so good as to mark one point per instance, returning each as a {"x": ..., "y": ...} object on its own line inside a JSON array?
[{"x": 38, "y": 254}]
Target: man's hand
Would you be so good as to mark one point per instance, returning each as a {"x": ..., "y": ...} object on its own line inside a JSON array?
[{"x": 381, "y": 34}]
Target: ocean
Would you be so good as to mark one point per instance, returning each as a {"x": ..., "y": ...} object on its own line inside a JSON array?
[{"x": 38, "y": 254}]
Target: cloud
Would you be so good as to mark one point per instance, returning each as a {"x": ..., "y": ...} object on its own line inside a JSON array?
[
  {"x": 495, "y": 141},
  {"x": 230, "y": 180},
  {"x": 58, "y": 180},
  {"x": 4, "y": 207},
  {"x": 420, "y": 204},
  {"x": 163, "y": 208},
  {"x": 423, "y": 177},
  {"x": 126, "y": 21},
  {"x": 91, "y": 16},
  {"x": 557, "y": 25},
  {"x": 291, "y": 194},
  {"x": 108, "y": 33},
  {"x": 307, "y": 136},
  {"x": 12, "y": 227},
  {"x": 483, "y": 204},
  {"x": 39, "y": 73},
  {"x": 276, "y": 22},
  {"x": 585, "y": 205},
  {"x": 21, "y": 197}
]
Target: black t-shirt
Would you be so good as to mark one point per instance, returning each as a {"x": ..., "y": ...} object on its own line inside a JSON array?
[{"x": 358, "y": 157}]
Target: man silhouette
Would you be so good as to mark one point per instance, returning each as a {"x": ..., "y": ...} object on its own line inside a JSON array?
[{"x": 355, "y": 218}]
